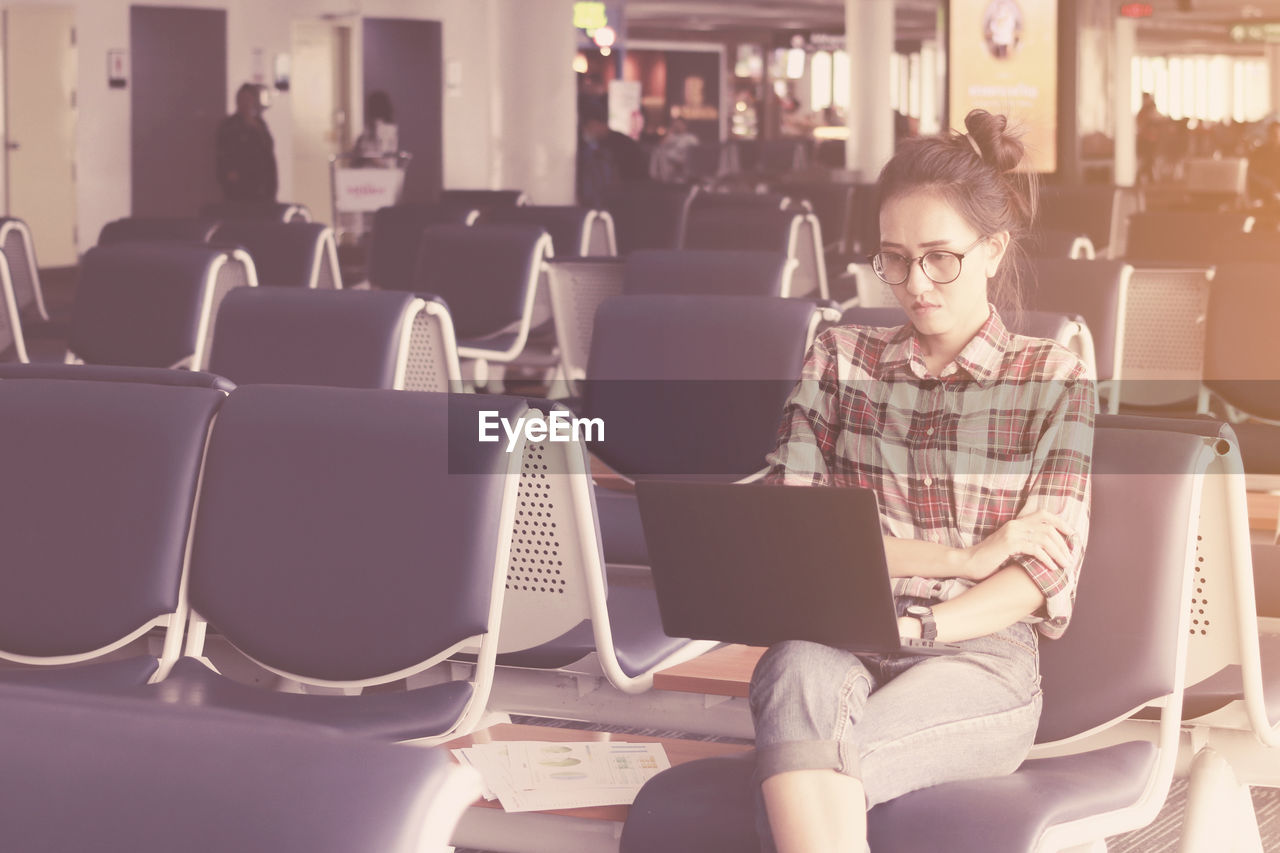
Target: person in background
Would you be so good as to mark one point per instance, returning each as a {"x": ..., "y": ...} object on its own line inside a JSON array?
[
  {"x": 1148, "y": 122},
  {"x": 381, "y": 137},
  {"x": 670, "y": 162},
  {"x": 246, "y": 157},
  {"x": 606, "y": 158},
  {"x": 1264, "y": 167}
]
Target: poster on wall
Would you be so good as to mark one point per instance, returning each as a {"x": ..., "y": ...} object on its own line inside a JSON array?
[
  {"x": 1003, "y": 58},
  {"x": 625, "y": 115},
  {"x": 693, "y": 91}
]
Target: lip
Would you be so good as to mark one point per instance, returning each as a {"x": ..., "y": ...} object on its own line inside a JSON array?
[{"x": 924, "y": 307}]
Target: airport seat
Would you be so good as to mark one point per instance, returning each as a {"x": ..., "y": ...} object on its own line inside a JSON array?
[
  {"x": 483, "y": 200},
  {"x": 102, "y": 480},
  {"x": 149, "y": 229},
  {"x": 1048, "y": 243},
  {"x": 396, "y": 240},
  {"x": 1146, "y": 496},
  {"x": 833, "y": 203},
  {"x": 119, "y": 775},
  {"x": 1167, "y": 237},
  {"x": 13, "y": 344},
  {"x": 754, "y": 200},
  {"x": 297, "y": 254},
  {"x": 1240, "y": 359},
  {"x": 1101, "y": 212},
  {"x": 576, "y": 232},
  {"x": 337, "y": 546},
  {"x": 19, "y": 251},
  {"x": 708, "y": 272},
  {"x": 660, "y": 363},
  {"x": 648, "y": 215},
  {"x": 255, "y": 211},
  {"x": 798, "y": 235},
  {"x": 1070, "y": 331},
  {"x": 111, "y": 373},
  {"x": 152, "y": 304},
  {"x": 489, "y": 278},
  {"x": 349, "y": 339}
]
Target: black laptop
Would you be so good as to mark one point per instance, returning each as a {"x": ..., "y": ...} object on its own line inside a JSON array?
[{"x": 758, "y": 564}]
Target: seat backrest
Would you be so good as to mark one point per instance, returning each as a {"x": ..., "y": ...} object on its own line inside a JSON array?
[
  {"x": 488, "y": 276},
  {"x": 1137, "y": 566},
  {"x": 152, "y": 304},
  {"x": 739, "y": 228},
  {"x": 569, "y": 227},
  {"x": 577, "y": 287},
  {"x": 297, "y": 254},
  {"x": 13, "y": 346},
  {"x": 1050, "y": 243},
  {"x": 350, "y": 339},
  {"x": 132, "y": 229},
  {"x": 1242, "y": 352},
  {"x": 134, "y": 775},
  {"x": 1079, "y": 209},
  {"x": 1184, "y": 237},
  {"x": 707, "y": 271},
  {"x": 260, "y": 211},
  {"x": 101, "y": 480},
  {"x": 679, "y": 391},
  {"x": 1095, "y": 290},
  {"x": 19, "y": 251},
  {"x": 483, "y": 200},
  {"x": 337, "y": 540},
  {"x": 717, "y": 200},
  {"x": 111, "y": 373},
  {"x": 648, "y": 215},
  {"x": 832, "y": 203},
  {"x": 396, "y": 240}
]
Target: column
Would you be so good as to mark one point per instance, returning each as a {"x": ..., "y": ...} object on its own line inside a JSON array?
[
  {"x": 1126, "y": 136},
  {"x": 1273, "y": 74},
  {"x": 869, "y": 38}
]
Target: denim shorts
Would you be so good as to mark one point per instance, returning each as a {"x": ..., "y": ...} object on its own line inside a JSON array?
[{"x": 902, "y": 722}]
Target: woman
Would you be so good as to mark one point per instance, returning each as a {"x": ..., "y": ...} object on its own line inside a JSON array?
[
  {"x": 380, "y": 137},
  {"x": 978, "y": 445}
]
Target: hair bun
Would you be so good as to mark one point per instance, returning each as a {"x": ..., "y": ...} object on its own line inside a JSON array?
[{"x": 1000, "y": 149}]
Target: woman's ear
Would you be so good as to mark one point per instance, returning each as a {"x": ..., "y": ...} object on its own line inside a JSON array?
[{"x": 996, "y": 248}]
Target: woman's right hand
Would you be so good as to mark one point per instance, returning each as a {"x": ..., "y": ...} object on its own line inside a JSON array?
[{"x": 1040, "y": 534}]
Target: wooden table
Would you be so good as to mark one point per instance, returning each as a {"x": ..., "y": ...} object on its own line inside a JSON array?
[
  {"x": 725, "y": 671},
  {"x": 486, "y": 826}
]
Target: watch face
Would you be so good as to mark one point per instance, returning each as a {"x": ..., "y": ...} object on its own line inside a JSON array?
[{"x": 917, "y": 610}]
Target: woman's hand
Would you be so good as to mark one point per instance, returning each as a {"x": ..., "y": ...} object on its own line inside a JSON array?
[{"x": 1041, "y": 535}]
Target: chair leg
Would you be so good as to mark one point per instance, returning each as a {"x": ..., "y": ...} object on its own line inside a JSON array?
[{"x": 1219, "y": 815}]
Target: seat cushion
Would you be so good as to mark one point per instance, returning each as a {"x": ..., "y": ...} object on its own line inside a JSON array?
[
  {"x": 108, "y": 675},
  {"x": 621, "y": 532},
  {"x": 638, "y": 640},
  {"x": 709, "y": 805},
  {"x": 423, "y": 712}
]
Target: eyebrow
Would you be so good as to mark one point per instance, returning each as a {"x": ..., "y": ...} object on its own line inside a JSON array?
[{"x": 932, "y": 244}]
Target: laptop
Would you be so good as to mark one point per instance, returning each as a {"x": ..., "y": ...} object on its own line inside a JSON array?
[{"x": 758, "y": 564}]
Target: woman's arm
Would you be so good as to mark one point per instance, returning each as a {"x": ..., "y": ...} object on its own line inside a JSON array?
[
  {"x": 810, "y": 422},
  {"x": 1008, "y": 596}
]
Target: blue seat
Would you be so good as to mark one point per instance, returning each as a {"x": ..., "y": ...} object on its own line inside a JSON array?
[
  {"x": 19, "y": 251},
  {"x": 1165, "y": 237},
  {"x": 1095, "y": 290},
  {"x": 148, "y": 229},
  {"x": 298, "y": 254},
  {"x": 576, "y": 232},
  {"x": 338, "y": 544},
  {"x": 483, "y": 200},
  {"x": 797, "y": 234},
  {"x": 349, "y": 339},
  {"x": 396, "y": 240},
  {"x": 110, "y": 373},
  {"x": 707, "y": 271},
  {"x": 648, "y": 215},
  {"x": 255, "y": 211},
  {"x": 100, "y": 484},
  {"x": 152, "y": 304},
  {"x": 125, "y": 776},
  {"x": 1141, "y": 545}
]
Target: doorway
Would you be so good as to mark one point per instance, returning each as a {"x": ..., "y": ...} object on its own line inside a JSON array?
[
  {"x": 321, "y": 107},
  {"x": 179, "y": 80},
  {"x": 40, "y": 127},
  {"x": 405, "y": 59}
]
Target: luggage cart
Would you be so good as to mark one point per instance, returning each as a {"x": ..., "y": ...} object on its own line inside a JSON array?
[{"x": 359, "y": 187}]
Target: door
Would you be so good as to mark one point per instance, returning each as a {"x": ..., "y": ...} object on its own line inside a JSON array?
[
  {"x": 320, "y": 94},
  {"x": 40, "y": 143},
  {"x": 404, "y": 58},
  {"x": 179, "y": 94}
]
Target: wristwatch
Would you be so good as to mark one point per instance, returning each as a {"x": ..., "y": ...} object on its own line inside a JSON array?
[{"x": 924, "y": 614}]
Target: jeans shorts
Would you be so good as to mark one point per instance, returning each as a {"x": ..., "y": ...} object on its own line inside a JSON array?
[{"x": 901, "y": 722}]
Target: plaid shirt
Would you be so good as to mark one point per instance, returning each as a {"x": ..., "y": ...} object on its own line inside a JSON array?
[{"x": 1005, "y": 430}]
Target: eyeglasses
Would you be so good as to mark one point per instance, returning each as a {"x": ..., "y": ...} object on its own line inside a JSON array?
[{"x": 942, "y": 266}]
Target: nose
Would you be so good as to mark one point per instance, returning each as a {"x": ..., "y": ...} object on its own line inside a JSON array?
[{"x": 917, "y": 282}]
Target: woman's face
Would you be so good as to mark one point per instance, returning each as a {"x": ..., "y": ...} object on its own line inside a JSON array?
[{"x": 919, "y": 222}]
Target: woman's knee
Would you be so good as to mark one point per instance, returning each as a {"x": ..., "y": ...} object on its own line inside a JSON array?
[{"x": 808, "y": 689}]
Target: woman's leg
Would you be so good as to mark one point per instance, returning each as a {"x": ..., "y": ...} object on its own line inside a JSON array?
[{"x": 805, "y": 698}]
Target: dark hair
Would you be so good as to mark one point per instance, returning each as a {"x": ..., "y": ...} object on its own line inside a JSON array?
[
  {"x": 377, "y": 105},
  {"x": 981, "y": 185},
  {"x": 251, "y": 88}
]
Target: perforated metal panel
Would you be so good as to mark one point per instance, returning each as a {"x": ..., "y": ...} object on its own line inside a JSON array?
[
  {"x": 546, "y": 593},
  {"x": 1212, "y": 644},
  {"x": 428, "y": 365},
  {"x": 1164, "y": 335},
  {"x": 577, "y": 289},
  {"x": 21, "y": 267},
  {"x": 872, "y": 292}
]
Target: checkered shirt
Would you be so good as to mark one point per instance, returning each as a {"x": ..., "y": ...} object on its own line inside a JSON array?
[{"x": 1005, "y": 429}]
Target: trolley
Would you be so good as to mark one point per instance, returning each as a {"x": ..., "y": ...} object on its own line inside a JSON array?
[{"x": 360, "y": 186}]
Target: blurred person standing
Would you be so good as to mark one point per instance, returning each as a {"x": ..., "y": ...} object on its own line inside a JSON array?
[
  {"x": 381, "y": 137},
  {"x": 246, "y": 158}
]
